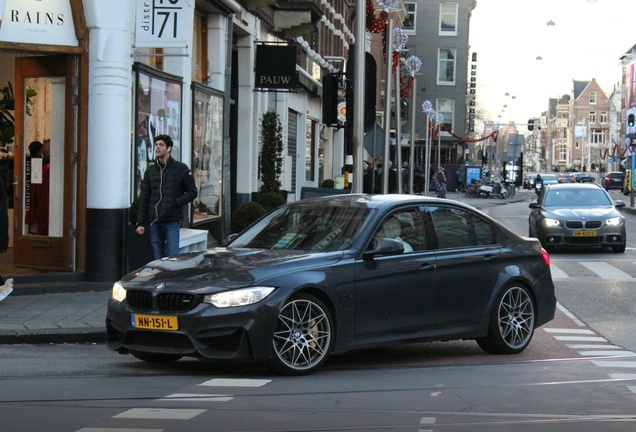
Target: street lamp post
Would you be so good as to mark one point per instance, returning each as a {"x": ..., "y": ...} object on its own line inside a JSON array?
[
  {"x": 427, "y": 107},
  {"x": 400, "y": 40},
  {"x": 388, "y": 6},
  {"x": 413, "y": 65},
  {"x": 439, "y": 119},
  {"x": 358, "y": 98}
]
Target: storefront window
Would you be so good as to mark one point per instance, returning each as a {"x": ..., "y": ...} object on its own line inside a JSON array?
[
  {"x": 157, "y": 112},
  {"x": 207, "y": 151}
]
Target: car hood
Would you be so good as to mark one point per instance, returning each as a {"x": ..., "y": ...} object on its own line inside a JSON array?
[
  {"x": 581, "y": 213},
  {"x": 222, "y": 268}
]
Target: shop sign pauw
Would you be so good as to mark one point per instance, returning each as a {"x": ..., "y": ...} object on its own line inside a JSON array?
[{"x": 276, "y": 67}]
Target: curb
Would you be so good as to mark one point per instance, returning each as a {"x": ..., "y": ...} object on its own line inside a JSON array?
[{"x": 44, "y": 337}]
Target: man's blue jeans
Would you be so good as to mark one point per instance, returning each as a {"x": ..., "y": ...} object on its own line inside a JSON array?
[{"x": 164, "y": 237}]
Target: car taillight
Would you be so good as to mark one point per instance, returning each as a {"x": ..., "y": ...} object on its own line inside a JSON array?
[{"x": 545, "y": 256}]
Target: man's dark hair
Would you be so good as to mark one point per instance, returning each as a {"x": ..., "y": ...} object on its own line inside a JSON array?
[{"x": 165, "y": 138}]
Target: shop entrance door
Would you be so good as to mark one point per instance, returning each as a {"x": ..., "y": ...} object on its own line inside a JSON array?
[{"x": 43, "y": 228}]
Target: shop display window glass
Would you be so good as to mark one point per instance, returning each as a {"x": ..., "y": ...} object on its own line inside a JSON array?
[
  {"x": 207, "y": 151},
  {"x": 158, "y": 102}
]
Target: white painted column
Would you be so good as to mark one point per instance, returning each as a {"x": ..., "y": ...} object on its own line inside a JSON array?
[
  {"x": 247, "y": 139},
  {"x": 109, "y": 103}
]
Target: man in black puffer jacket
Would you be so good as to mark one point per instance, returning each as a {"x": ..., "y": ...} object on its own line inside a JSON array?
[{"x": 168, "y": 185}]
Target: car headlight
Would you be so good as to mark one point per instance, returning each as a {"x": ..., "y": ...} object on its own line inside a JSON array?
[
  {"x": 119, "y": 292},
  {"x": 551, "y": 223},
  {"x": 616, "y": 221},
  {"x": 240, "y": 297}
]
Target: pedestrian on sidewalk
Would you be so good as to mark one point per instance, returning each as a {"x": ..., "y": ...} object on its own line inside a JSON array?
[{"x": 168, "y": 185}]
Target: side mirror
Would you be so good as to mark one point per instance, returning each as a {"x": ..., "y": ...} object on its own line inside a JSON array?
[
  {"x": 619, "y": 203},
  {"x": 229, "y": 239},
  {"x": 534, "y": 205},
  {"x": 383, "y": 246}
]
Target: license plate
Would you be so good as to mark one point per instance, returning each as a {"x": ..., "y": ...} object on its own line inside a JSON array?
[
  {"x": 584, "y": 233},
  {"x": 155, "y": 322}
]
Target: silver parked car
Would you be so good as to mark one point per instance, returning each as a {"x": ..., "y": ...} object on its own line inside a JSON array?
[{"x": 577, "y": 215}]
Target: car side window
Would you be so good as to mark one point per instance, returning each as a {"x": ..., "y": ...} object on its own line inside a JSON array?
[
  {"x": 405, "y": 226},
  {"x": 484, "y": 231},
  {"x": 456, "y": 228}
]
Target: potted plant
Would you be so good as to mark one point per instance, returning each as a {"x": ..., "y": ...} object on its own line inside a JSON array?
[{"x": 271, "y": 162}]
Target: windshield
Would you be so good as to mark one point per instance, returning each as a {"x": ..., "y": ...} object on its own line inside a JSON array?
[
  {"x": 326, "y": 228},
  {"x": 576, "y": 198}
]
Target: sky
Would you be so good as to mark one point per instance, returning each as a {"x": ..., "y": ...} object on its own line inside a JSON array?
[{"x": 586, "y": 41}]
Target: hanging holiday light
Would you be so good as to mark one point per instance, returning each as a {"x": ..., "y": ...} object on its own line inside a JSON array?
[
  {"x": 389, "y": 5},
  {"x": 400, "y": 39},
  {"x": 427, "y": 107},
  {"x": 412, "y": 65}
]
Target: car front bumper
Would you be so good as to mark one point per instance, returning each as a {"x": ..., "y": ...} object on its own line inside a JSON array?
[
  {"x": 241, "y": 333},
  {"x": 614, "y": 236}
]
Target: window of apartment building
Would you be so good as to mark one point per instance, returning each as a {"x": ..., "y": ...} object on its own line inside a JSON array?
[
  {"x": 563, "y": 152},
  {"x": 446, "y": 107},
  {"x": 592, "y": 117},
  {"x": 598, "y": 136},
  {"x": 446, "y": 66},
  {"x": 563, "y": 133},
  {"x": 603, "y": 117},
  {"x": 593, "y": 97},
  {"x": 410, "y": 21},
  {"x": 448, "y": 19}
]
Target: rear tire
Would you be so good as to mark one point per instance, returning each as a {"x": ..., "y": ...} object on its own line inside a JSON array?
[{"x": 511, "y": 322}]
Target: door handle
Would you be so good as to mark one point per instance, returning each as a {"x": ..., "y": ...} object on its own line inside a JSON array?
[{"x": 428, "y": 267}]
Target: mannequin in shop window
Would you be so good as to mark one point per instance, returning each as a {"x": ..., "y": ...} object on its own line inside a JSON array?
[{"x": 37, "y": 212}]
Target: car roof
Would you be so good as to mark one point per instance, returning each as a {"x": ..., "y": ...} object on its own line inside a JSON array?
[
  {"x": 374, "y": 201},
  {"x": 559, "y": 186}
]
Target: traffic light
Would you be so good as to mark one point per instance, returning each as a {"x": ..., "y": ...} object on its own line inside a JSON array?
[
  {"x": 630, "y": 120},
  {"x": 330, "y": 99},
  {"x": 531, "y": 125}
]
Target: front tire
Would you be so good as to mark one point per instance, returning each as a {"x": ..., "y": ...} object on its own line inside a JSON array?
[
  {"x": 511, "y": 322},
  {"x": 303, "y": 338},
  {"x": 619, "y": 249}
]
